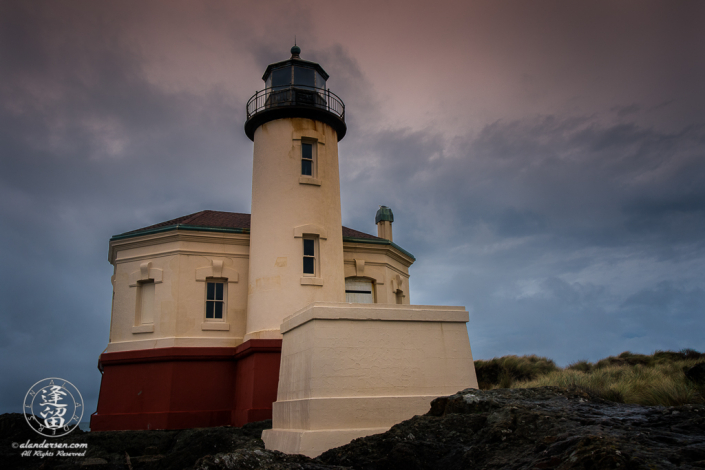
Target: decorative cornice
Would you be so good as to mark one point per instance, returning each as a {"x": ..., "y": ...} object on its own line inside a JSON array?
[
  {"x": 158, "y": 237},
  {"x": 125, "y": 240},
  {"x": 179, "y": 226},
  {"x": 381, "y": 244}
]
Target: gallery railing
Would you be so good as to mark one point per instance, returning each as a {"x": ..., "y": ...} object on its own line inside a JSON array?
[{"x": 280, "y": 97}]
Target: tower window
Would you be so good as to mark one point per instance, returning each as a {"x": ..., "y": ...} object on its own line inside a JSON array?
[
  {"x": 309, "y": 256},
  {"x": 306, "y": 159},
  {"x": 215, "y": 300}
]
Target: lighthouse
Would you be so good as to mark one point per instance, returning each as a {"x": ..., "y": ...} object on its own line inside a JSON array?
[
  {"x": 296, "y": 241},
  {"x": 202, "y": 303}
]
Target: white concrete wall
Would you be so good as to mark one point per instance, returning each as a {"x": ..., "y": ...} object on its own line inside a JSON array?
[{"x": 350, "y": 370}]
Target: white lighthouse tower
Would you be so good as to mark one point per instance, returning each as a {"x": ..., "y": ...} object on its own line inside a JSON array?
[{"x": 296, "y": 243}]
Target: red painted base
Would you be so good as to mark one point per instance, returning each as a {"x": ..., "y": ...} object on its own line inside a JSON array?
[{"x": 178, "y": 388}]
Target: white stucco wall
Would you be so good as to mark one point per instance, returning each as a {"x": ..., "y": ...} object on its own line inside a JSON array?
[
  {"x": 387, "y": 267},
  {"x": 283, "y": 202},
  {"x": 176, "y": 259}
]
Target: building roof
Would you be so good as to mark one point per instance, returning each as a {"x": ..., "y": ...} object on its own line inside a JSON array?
[
  {"x": 213, "y": 219},
  {"x": 233, "y": 222}
]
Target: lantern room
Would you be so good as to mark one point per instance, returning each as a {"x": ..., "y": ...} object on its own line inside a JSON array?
[
  {"x": 295, "y": 88},
  {"x": 296, "y": 72}
]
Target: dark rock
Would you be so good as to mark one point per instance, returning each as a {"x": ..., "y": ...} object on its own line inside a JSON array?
[
  {"x": 260, "y": 459},
  {"x": 541, "y": 428},
  {"x": 544, "y": 427},
  {"x": 112, "y": 449},
  {"x": 697, "y": 373}
]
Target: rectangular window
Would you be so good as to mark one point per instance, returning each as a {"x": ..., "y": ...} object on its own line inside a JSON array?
[
  {"x": 215, "y": 300},
  {"x": 306, "y": 159},
  {"x": 309, "y": 256},
  {"x": 359, "y": 290}
]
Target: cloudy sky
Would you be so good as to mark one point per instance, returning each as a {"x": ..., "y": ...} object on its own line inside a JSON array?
[{"x": 545, "y": 160}]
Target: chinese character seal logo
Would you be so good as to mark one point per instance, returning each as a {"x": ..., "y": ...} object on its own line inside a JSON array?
[{"x": 53, "y": 407}]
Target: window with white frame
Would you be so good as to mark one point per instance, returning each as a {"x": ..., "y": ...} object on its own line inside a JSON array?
[
  {"x": 216, "y": 298},
  {"x": 310, "y": 255}
]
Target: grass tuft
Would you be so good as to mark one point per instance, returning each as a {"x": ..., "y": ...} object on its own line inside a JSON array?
[{"x": 657, "y": 379}]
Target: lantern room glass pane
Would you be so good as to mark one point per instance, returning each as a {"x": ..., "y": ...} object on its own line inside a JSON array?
[
  {"x": 281, "y": 77},
  {"x": 320, "y": 81},
  {"x": 304, "y": 77}
]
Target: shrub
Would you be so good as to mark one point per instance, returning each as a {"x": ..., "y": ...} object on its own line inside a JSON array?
[
  {"x": 626, "y": 358},
  {"x": 658, "y": 379},
  {"x": 502, "y": 372},
  {"x": 582, "y": 366}
]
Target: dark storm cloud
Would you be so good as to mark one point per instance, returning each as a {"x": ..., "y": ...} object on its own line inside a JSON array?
[{"x": 581, "y": 177}]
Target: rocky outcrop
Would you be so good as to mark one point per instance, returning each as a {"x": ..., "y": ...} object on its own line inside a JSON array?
[
  {"x": 534, "y": 429},
  {"x": 540, "y": 428}
]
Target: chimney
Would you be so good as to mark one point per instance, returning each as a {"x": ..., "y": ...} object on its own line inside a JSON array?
[{"x": 384, "y": 219}]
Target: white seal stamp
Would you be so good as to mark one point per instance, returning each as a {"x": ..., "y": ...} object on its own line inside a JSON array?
[{"x": 53, "y": 407}]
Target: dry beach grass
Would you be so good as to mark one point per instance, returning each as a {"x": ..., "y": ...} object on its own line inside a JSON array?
[{"x": 656, "y": 379}]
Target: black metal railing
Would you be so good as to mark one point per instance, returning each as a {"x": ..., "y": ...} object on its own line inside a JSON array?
[{"x": 280, "y": 97}]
